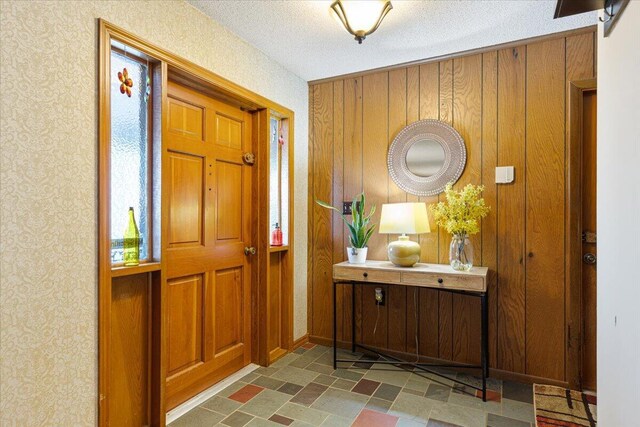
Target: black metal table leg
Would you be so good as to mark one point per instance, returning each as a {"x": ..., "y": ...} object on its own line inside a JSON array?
[
  {"x": 391, "y": 360},
  {"x": 335, "y": 339},
  {"x": 353, "y": 317},
  {"x": 485, "y": 345}
]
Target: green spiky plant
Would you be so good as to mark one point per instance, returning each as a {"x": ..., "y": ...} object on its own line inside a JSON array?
[{"x": 360, "y": 227}]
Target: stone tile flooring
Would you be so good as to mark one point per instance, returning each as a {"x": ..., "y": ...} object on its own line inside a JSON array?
[{"x": 302, "y": 389}]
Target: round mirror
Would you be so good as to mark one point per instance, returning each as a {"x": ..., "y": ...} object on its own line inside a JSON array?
[{"x": 425, "y": 157}]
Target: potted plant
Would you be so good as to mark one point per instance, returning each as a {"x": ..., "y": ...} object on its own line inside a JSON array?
[
  {"x": 360, "y": 228},
  {"x": 460, "y": 216}
]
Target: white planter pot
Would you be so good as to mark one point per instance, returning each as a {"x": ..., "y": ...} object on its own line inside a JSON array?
[{"x": 357, "y": 255}]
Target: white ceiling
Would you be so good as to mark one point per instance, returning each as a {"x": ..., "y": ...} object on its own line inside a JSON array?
[{"x": 307, "y": 40}]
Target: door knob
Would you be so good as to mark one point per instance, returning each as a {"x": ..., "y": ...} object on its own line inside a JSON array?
[
  {"x": 589, "y": 258},
  {"x": 249, "y": 250}
]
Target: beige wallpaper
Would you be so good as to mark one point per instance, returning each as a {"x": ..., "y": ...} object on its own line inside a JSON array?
[{"x": 48, "y": 186}]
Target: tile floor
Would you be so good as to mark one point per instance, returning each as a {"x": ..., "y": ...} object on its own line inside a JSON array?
[{"x": 302, "y": 389}]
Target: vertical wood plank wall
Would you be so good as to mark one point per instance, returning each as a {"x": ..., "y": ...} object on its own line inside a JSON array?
[{"x": 509, "y": 105}]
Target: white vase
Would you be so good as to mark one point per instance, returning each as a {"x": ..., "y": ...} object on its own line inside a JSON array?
[{"x": 357, "y": 255}]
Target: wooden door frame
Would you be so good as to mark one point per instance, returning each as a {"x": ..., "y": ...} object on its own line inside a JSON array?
[
  {"x": 174, "y": 67},
  {"x": 573, "y": 230},
  {"x": 260, "y": 305}
]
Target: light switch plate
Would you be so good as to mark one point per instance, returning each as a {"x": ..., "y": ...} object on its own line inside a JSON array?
[{"x": 504, "y": 174}]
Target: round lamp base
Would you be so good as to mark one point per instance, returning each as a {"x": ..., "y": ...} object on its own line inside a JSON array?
[{"x": 404, "y": 252}]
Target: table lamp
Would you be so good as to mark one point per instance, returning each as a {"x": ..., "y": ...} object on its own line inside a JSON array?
[{"x": 403, "y": 219}]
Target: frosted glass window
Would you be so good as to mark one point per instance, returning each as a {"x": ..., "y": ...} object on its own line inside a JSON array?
[
  {"x": 274, "y": 178},
  {"x": 284, "y": 190},
  {"x": 279, "y": 178},
  {"x": 129, "y": 154}
]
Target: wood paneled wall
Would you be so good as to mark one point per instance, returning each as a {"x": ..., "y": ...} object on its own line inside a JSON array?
[{"x": 509, "y": 105}]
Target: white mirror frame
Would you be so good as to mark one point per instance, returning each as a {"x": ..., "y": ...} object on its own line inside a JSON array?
[{"x": 455, "y": 154}]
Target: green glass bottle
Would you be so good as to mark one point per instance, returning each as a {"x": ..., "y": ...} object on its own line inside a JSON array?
[{"x": 131, "y": 242}]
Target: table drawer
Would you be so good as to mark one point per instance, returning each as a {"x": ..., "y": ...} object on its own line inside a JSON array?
[
  {"x": 449, "y": 281},
  {"x": 366, "y": 275}
]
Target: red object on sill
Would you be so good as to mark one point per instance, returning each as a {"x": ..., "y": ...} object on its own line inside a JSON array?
[{"x": 276, "y": 236}]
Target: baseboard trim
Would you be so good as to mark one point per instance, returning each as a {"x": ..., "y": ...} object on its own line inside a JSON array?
[
  {"x": 300, "y": 342},
  {"x": 525, "y": 378},
  {"x": 327, "y": 341},
  {"x": 495, "y": 373},
  {"x": 196, "y": 400}
]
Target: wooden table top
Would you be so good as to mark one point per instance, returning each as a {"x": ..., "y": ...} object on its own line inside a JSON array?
[{"x": 441, "y": 276}]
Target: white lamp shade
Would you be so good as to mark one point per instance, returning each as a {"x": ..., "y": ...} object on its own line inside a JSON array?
[{"x": 404, "y": 218}]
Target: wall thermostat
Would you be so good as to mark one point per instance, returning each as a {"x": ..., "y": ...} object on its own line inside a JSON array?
[{"x": 504, "y": 174}]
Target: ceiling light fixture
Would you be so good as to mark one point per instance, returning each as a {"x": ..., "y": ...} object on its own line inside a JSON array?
[{"x": 360, "y": 17}]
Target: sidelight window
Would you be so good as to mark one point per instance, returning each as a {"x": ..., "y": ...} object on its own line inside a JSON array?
[
  {"x": 279, "y": 177},
  {"x": 130, "y": 160}
]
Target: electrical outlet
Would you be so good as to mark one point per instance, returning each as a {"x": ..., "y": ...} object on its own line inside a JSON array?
[{"x": 379, "y": 296}]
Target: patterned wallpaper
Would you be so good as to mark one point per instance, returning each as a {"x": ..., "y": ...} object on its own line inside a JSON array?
[{"x": 48, "y": 186}]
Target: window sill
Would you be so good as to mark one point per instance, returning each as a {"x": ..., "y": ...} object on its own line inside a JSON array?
[{"x": 146, "y": 267}]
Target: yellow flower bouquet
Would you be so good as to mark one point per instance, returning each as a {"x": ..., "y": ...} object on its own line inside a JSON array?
[{"x": 460, "y": 215}]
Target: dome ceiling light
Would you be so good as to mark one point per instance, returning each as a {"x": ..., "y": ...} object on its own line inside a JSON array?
[{"x": 360, "y": 17}]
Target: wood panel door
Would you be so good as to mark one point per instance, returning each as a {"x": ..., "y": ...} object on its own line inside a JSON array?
[
  {"x": 208, "y": 197},
  {"x": 589, "y": 250}
]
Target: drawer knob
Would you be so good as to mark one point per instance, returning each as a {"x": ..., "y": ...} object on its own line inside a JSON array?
[
  {"x": 365, "y": 274},
  {"x": 440, "y": 280}
]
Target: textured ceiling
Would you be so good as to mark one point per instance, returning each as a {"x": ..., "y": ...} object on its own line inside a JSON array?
[{"x": 307, "y": 40}]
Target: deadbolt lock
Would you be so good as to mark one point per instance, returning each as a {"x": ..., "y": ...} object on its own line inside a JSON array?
[
  {"x": 589, "y": 258},
  {"x": 589, "y": 237},
  {"x": 249, "y": 158}
]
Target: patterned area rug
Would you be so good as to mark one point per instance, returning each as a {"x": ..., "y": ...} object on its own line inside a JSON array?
[{"x": 557, "y": 406}]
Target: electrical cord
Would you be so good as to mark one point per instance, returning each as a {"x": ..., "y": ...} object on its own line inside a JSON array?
[
  {"x": 415, "y": 318},
  {"x": 375, "y": 327}
]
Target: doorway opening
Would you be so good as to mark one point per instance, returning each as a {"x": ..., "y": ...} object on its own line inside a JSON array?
[{"x": 207, "y": 294}]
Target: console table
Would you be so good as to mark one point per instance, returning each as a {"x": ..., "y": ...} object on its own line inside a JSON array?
[{"x": 436, "y": 276}]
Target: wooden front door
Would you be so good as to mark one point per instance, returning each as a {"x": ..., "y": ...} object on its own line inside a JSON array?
[
  {"x": 589, "y": 250},
  {"x": 208, "y": 193}
]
